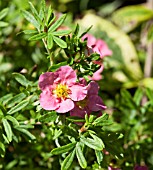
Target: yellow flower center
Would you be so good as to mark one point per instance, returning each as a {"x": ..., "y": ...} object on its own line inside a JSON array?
[
  {"x": 61, "y": 91},
  {"x": 82, "y": 104}
]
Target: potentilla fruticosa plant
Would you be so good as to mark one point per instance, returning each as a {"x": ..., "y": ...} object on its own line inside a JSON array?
[{"x": 69, "y": 100}]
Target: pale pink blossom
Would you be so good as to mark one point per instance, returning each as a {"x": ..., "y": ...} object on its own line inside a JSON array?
[
  {"x": 97, "y": 45},
  {"x": 97, "y": 75},
  {"x": 60, "y": 90},
  {"x": 92, "y": 102},
  {"x": 138, "y": 167},
  {"x": 111, "y": 168}
]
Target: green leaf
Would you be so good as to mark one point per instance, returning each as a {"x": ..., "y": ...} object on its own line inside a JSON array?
[
  {"x": 149, "y": 94},
  {"x": 129, "y": 17},
  {"x": 49, "y": 41},
  {"x": 21, "y": 79},
  {"x": 3, "y": 13},
  {"x": 6, "y": 98},
  {"x": 26, "y": 132},
  {"x": 49, "y": 15},
  {"x": 99, "y": 156},
  {"x": 31, "y": 19},
  {"x": 75, "y": 119},
  {"x": 18, "y": 107},
  {"x": 16, "y": 99},
  {"x": 60, "y": 42},
  {"x": 138, "y": 96},
  {"x": 61, "y": 32},
  {"x": 42, "y": 9},
  {"x": 98, "y": 140},
  {"x": 68, "y": 161},
  {"x": 3, "y": 24},
  {"x": 91, "y": 143},
  {"x": 7, "y": 129},
  {"x": 63, "y": 149},
  {"x": 35, "y": 13},
  {"x": 81, "y": 159},
  {"x": 30, "y": 31},
  {"x": 57, "y": 23},
  {"x": 128, "y": 98},
  {"x": 38, "y": 36},
  {"x": 5, "y": 138},
  {"x": 12, "y": 119},
  {"x": 48, "y": 117},
  {"x": 2, "y": 149},
  {"x": 104, "y": 123},
  {"x": 85, "y": 32},
  {"x": 76, "y": 31},
  {"x": 56, "y": 66},
  {"x": 100, "y": 119}
]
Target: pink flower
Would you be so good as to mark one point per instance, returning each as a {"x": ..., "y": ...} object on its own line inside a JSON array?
[
  {"x": 100, "y": 47},
  {"x": 111, "y": 168},
  {"x": 92, "y": 102},
  {"x": 60, "y": 90},
  {"x": 97, "y": 45},
  {"x": 137, "y": 167},
  {"x": 97, "y": 75}
]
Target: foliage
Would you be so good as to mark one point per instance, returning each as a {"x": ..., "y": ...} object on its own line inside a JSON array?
[{"x": 35, "y": 39}]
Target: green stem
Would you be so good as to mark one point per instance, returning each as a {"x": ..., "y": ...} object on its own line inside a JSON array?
[{"x": 49, "y": 52}]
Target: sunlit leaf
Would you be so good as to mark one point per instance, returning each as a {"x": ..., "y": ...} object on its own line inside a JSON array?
[
  {"x": 99, "y": 156},
  {"x": 91, "y": 143},
  {"x": 61, "y": 32},
  {"x": 48, "y": 117},
  {"x": 30, "y": 31},
  {"x": 129, "y": 17},
  {"x": 3, "y": 13},
  {"x": 16, "y": 99},
  {"x": 68, "y": 161},
  {"x": 12, "y": 119},
  {"x": 18, "y": 107},
  {"x": 38, "y": 36},
  {"x": 3, "y": 24},
  {"x": 138, "y": 96},
  {"x": 8, "y": 129},
  {"x": 31, "y": 18},
  {"x": 63, "y": 149},
  {"x": 26, "y": 132},
  {"x": 57, "y": 23},
  {"x": 21, "y": 79},
  {"x": 49, "y": 41},
  {"x": 60, "y": 42},
  {"x": 81, "y": 159}
]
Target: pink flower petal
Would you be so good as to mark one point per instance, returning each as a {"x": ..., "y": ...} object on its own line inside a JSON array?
[
  {"x": 78, "y": 112},
  {"x": 79, "y": 92},
  {"x": 93, "y": 88},
  {"x": 48, "y": 101},
  {"x": 66, "y": 75},
  {"x": 95, "y": 103},
  {"x": 46, "y": 80},
  {"x": 65, "y": 106},
  {"x": 103, "y": 48},
  {"x": 91, "y": 40},
  {"x": 97, "y": 75}
]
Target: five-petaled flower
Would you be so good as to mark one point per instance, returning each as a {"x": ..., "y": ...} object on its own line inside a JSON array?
[
  {"x": 60, "y": 90},
  {"x": 92, "y": 102}
]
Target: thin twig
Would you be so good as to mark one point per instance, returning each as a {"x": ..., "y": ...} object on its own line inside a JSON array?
[{"x": 149, "y": 58}]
